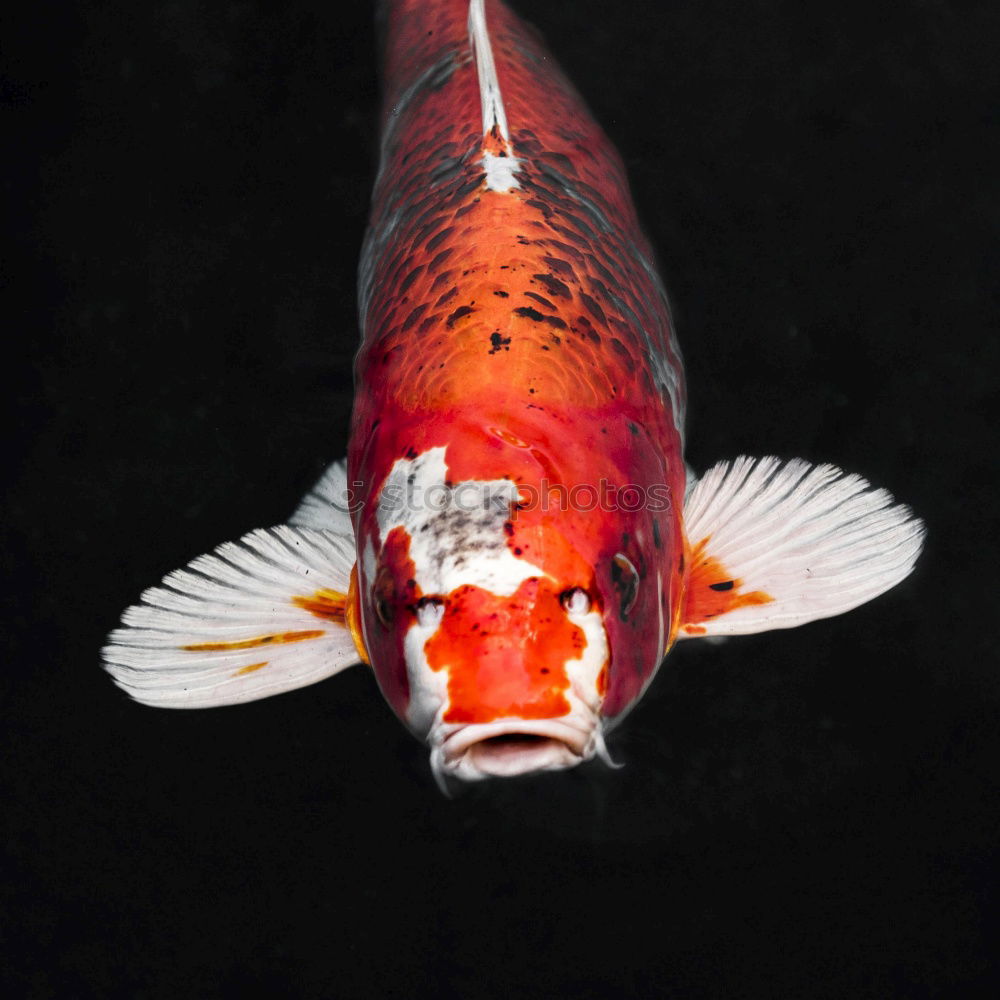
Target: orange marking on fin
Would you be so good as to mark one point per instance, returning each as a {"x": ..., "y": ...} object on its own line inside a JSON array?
[
  {"x": 712, "y": 590},
  {"x": 328, "y": 604},
  {"x": 249, "y": 669},
  {"x": 261, "y": 640}
]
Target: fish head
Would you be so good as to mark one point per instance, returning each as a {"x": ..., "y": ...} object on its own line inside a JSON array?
[{"x": 484, "y": 625}]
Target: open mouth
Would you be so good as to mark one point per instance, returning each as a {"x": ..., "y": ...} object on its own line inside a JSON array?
[
  {"x": 512, "y": 747},
  {"x": 518, "y": 753}
]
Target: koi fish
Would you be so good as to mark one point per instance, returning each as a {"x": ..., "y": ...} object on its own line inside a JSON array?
[{"x": 514, "y": 543}]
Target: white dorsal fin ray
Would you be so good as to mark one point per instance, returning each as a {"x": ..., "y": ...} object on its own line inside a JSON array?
[
  {"x": 815, "y": 540},
  {"x": 327, "y": 504},
  {"x": 227, "y": 628},
  {"x": 489, "y": 85},
  {"x": 500, "y": 169}
]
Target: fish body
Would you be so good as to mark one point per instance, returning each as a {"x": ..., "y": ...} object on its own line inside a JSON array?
[
  {"x": 514, "y": 544},
  {"x": 513, "y": 323}
]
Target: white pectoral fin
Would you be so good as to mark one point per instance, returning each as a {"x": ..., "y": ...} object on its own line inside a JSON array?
[
  {"x": 254, "y": 618},
  {"x": 777, "y": 544}
]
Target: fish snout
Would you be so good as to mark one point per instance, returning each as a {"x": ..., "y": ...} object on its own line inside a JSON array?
[{"x": 509, "y": 747}]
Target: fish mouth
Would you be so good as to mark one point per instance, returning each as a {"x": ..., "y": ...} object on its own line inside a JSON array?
[{"x": 510, "y": 747}]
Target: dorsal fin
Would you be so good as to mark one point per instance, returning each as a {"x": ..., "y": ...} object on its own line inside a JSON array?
[
  {"x": 489, "y": 85},
  {"x": 498, "y": 161}
]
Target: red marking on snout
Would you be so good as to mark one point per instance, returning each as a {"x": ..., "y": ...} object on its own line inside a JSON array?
[{"x": 505, "y": 656}]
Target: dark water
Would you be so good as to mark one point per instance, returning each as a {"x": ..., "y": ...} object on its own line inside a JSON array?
[{"x": 810, "y": 813}]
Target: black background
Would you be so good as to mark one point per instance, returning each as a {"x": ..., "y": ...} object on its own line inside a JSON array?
[{"x": 808, "y": 813}]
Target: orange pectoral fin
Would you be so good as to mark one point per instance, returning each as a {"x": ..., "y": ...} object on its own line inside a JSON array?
[{"x": 711, "y": 590}]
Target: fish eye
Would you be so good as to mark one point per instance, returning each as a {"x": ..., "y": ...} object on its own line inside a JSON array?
[
  {"x": 625, "y": 577},
  {"x": 576, "y": 601},
  {"x": 384, "y": 611},
  {"x": 430, "y": 611}
]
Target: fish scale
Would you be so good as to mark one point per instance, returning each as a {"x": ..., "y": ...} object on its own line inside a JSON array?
[{"x": 567, "y": 232}]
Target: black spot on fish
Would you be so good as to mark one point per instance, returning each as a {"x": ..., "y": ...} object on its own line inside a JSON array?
[
  {"x": 562, "y": 266},
  {"x": 450, "y": 168},
  {"x": 440, "y": 259},
  {"x": 466, "y": 189},
  {"x": 657, "y": 540},
  {"x": 435, "y": 241},
  {"x": 726, "y": 585},
  {"x": 502, "y": 295},
  {"x": 458, "y": 314},
  {"x": 498, "y": 342},
  {"x": 553, "y": 285},
  {"x": 589, "y": 328},
  {"x": 528, "y": 313},
  {"x": 410, "y": 278},
  {"x": 593, "y": 308},
  {"x": 632, "y": 427},
  {"x": 429, "y": 322},
  {"x": 541, "y": 206},
  {"x": 565, "y": 249},
  {"x": 544, "y": 302},
  {"x": 447, "y": 297},
  {"x": 413, "y": 317}
]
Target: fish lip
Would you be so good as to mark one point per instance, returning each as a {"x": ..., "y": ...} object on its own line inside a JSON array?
[{"x": 563, "y": 743}]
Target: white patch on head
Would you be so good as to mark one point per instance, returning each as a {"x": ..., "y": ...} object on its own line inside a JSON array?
[
  {"x": 428, "y": 688},
  {"x": 456, "y": 531},
  {"x": 583, "y": 672},
  {"x": 457, "y": 538}
]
